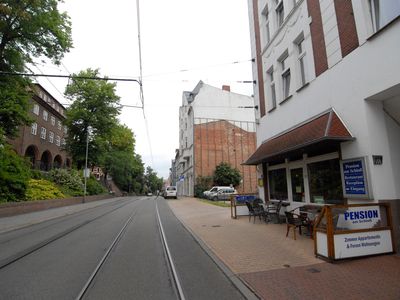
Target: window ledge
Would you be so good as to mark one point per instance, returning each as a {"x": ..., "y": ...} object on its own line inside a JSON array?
[
  {"x": 286, "y": 99},
  {"x": 302, "y": 87},
  {"x": 272, "y": 109}
]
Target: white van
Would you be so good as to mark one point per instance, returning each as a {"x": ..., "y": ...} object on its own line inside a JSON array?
[{"x": 170, "y": 192}]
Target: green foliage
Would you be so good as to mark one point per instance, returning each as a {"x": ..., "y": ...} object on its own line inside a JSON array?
[
  {"x": 14, "y": 105},
  {"x": 225, "y": 175},
  {"x": 95, "y": 105},
  {"x": 203, "y": 183},
  {"x": 152, "y": 181},
  {"x": 28, "y": 29},
  {"x": 70, "y": 182},
  {"x": 14, "y": 175},
  {"x": 120, "y": 161},
  {"x": 31, "y": 29},
  {"x": 41, "y": 189},
  {"x": 93, "y": 187}
]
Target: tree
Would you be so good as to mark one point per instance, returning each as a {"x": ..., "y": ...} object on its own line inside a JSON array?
[
  {"x": 96, "y": 105},
  {"x": 120, "y": 160},
  {"x": 28, "y": 29},
  {"x": 225, "y": 175},
  {"x": 152, "y": 181},
  {"x": 14, "y": 175}
]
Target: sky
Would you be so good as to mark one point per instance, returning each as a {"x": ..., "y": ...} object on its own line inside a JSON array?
[{"x": 182, "y": 42}]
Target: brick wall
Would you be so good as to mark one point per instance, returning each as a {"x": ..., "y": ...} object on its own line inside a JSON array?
[
  {"x": 346, "y": 26},
  {"x": 317, "y": 37},
  {"x": 222, "y": 141}
]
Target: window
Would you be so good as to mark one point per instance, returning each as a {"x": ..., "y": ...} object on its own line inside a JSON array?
[
  {"x": 45, "y": 115},
  {"x": 65, "y": 129},
  {"x": 383, "y": 12},
  {"x": 265, "y": 13},
  {"x": 58, "y": 140},
  {"x": 43, "y": 133},
  {"x": 36, "y": 109},
  {"x": 325, "y": 182},
  {"x": 51, "y": 137},
  {"x": 280, "y": 13},
  {"x": 53, "y": 120},
  {"x": 272, "y": 96},
  {"x": 285, "y": 77},
  {"x": 301, "y": 61},
  {"x": 34, "y": 128},
  {"x": 63, "y": 143},
  {"x": 278, "y": 184},
  {"x": 59, "y": 125}
]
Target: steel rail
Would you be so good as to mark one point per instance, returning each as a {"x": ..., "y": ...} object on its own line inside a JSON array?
[
  {"x": 12, "y": 259},
  {"x": 169, "y": 256},
  {"x": 105, "y": 256}
]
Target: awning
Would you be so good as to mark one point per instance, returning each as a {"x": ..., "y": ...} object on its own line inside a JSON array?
[{"x": 323, "y": 132}]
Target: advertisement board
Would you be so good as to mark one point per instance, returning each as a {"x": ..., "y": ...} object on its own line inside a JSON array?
[
  {"x": 362, "y": 243},
  {"x": 354, "y": 178},
  {"x": 361, "y": 217}
]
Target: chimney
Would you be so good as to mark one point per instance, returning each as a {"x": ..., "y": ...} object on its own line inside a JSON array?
[{"x": 226, "y": 88}]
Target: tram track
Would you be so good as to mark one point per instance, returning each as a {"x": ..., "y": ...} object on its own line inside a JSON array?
[
  {"x": 167, "y": 254},
  {"x": 27, "y": 251}
]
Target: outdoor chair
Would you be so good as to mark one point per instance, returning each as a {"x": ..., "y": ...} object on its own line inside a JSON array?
[
  {"x": 273, "y": 210},
  {"x": 254, "y": 212},
  {"x": 295, "y": 221}
]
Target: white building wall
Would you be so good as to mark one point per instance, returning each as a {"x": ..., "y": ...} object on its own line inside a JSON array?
[
  {"x": 345, "y": 86},
  {"x": 331, "y": 33}
]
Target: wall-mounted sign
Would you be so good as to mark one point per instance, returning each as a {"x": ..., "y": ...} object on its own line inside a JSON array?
[
  {"x": 354, "y": 178},
  {"x": 377, "y": 159}
]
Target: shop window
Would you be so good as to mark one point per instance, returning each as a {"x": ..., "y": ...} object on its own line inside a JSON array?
[
  {"x": 296, "y": 176},
  {"x": 325, "y": 182},
  {"x": 278, "y": 184}
]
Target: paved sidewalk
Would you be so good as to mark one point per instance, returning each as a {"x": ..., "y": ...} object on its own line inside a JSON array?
[{"x": 276, "y": 267}]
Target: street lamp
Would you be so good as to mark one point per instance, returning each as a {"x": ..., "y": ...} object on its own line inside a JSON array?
[{"x": 85, "y": 172}]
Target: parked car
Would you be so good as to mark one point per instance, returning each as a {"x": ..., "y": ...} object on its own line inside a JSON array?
[
  {"x": 170, "y": 192},
  {"x": 212, "y": 190},
  {"x": 222, "y": 193}
]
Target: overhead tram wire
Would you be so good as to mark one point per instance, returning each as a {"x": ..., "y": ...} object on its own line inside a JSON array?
[{"x": 141, "y": 81}]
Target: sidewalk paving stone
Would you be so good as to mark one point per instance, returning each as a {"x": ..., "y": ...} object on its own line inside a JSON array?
[{"x": 279, "y": 267}]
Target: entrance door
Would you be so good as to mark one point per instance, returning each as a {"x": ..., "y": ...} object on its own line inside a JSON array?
[{"x": 296, "y": 176}]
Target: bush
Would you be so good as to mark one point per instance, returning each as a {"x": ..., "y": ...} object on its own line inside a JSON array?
[
  {"x": 225, "y": 175},
  {"x": 203, "y": 183},
  {"x": 41, "y": 189},
  {"x": 93, "y": 187},
  {"x": 69, "y": 181},
  {"x": 14, "y": 175}
]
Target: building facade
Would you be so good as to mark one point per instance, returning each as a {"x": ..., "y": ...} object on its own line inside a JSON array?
[
  {"x": 215, "y": 125},
  {"x": 44, "y": 141},
  {"x": 328, "y": 88}
]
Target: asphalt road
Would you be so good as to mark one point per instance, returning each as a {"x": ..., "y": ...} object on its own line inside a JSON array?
[{"x": 55, "y": 259}]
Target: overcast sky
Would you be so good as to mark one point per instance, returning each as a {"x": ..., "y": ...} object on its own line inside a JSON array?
[{"x": 183, "y": 41}]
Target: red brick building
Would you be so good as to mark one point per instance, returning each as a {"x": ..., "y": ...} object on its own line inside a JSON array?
[
  {"x": 43, "y": 142},
  {"x": 224, "y": 141}
]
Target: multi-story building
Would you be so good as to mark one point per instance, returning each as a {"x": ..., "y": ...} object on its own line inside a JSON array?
[
  {"x": 328, "y": 88},
  {"x": 214, "y": 126},
  {"x": 44, "y": 141}
]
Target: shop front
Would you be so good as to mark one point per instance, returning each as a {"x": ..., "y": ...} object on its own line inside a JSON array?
[{"x": 303, "y": 165}]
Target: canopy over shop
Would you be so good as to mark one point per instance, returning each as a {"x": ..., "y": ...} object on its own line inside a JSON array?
[{"x": 302, "y": 164}]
